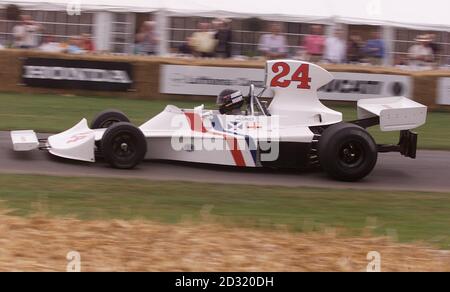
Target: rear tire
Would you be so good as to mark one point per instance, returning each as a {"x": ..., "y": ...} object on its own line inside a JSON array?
[
  {"x": 124, "y": 146},
  {"x": 347, "y": 152},
  {"x": 107, "y": 118}
]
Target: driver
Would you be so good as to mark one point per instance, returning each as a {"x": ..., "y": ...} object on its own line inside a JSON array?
[{"x": 230, "y": 102}]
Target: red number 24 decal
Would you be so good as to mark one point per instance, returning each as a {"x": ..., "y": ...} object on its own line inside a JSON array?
[{"x": 282, "y": 70}]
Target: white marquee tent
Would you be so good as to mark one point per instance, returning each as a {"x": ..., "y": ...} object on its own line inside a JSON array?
[{"x": 414, "y": 14}]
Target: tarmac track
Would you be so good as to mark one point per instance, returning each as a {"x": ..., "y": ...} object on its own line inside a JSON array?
[{"x": 429, "y": 172}]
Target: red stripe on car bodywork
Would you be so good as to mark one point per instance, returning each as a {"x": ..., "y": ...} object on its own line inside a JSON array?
[
  {"x": 196, "y": 123},
  {"x": 237, "y": 154}
]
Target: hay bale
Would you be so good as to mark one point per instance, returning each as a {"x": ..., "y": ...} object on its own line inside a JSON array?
[{"x": 40, "y": 243}]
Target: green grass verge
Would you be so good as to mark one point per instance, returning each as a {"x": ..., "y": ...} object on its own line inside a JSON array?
[
  {"x": 54, "y": 113},
  {"x": 415, "y": 216}
]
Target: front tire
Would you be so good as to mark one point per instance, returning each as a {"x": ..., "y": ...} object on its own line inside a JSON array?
[
  {"x": 347, "y": 152},
  {"x": 107, "y": 118},
  {"x": 124, "y": 146}
]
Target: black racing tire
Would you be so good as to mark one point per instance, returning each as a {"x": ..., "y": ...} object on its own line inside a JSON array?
[
  {"x": 347, "y": 152},
  {"x": 107, "y": 118},
  {"x": 124, "y": 146}
]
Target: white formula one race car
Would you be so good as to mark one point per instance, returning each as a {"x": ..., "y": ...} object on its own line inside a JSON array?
[{"x": 295, "y": 131}]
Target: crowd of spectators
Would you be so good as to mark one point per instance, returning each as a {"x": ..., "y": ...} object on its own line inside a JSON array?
[
  {"x": 338, "y": 48},
  {"x": 28, "y": 34},
  {"x": 316, "y": 47},
  {"x": 215, "y": 39},
  {"x": 210, "y": 40}
]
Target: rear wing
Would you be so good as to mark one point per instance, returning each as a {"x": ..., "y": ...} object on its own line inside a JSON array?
[{"x": 395, "y": 113}]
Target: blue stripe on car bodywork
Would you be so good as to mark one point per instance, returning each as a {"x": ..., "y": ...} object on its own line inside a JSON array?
[
  {"x": 252, "y": 146},
  {"x": 249, "y": 140}
]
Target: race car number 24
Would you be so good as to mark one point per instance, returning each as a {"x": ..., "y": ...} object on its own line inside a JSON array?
[{"x": 282, "y": 70}]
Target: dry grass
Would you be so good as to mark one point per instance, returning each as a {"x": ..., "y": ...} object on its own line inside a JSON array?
[{"x": 40, "y": 243}]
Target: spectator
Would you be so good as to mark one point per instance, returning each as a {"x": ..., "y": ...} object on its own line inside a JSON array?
[
  {"x": 223, "y": 36},
  {"x": 26, "y": 33},
  {"x": 434, "y": 47},
  {"x": 433, "y": 44},
  {"x": 335, "y": 47},
  {"x": 87, "y": 43},
  {"x": 420, "y": 54},
  {"x": 314, "y": 44},
  {"x": 186, "y": 47},
  {"x": 274, "y": 44},
  {"x": 49, "y": 45},
  {"x": 400, "y": 60},
  {"x": 147, "y": 39},
  {"x": 355, "y": 47},
  {"x": 203, "y": 41},
  {"x": 75, "y": 45},
  {"x": 375, "y": 49}
]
